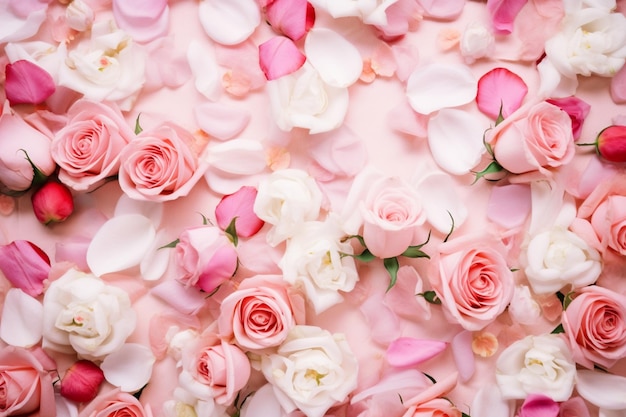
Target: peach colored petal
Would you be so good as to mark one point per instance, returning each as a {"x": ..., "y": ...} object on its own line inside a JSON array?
[
  {"x": 448, "y": 39},
  {"x": 277, "y": 158},
  {"x": 484, "y": 344},
  {"x": 7, "y": 204}
]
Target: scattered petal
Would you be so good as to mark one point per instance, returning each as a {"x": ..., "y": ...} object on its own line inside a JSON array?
[
  {"x": 21, "y": 323},
  {"x": 500, "y": 89},
  {"x": 437, "y": 86},
  {"x": 445, "y": 10},
  {"x": 337, "y": 61},
  {"x": 204, "y": 69},
  {"x": 463, "y": 356},
  {"x": 221, "y": 121},
  {"x": 229, "y": 22},
  {"x": 293, "y": 18},
  {"x": 27, "y": 83},
  {"x": 129, "y": 367},
  {"x": 149, "y": 209},
  {"x": 407, "y": 351},
  {"x": 484, "y": 344},
  {"x": 144, "y": 20},
  {"x": 509, "y": 205},
  {"x": 238, "y": 157},
  {"x": 602, "y": 389},
  {"x": 488, "y": 402},
  {"x": 503, "y": 14},
  {"x": 279, "y": 56},
  {"x": 440, "y": 201}
]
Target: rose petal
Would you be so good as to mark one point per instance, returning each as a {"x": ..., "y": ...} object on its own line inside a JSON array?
[
  {"x": 121, "y": 243},
  {"x": 22, "y": 319},
  {"x": 229, "y": 22},
  {"x": 238, "y": 157},
  {"x": 440, "y": 201},
  {"x": 455, "y": 138},
  {"x": 240, "y": 205},
  {"x": 130, "y": 367},
  {"x": 509, "y": 205},
  {"x": 27, "y": 83},
  {"x": 16, "y": 26},
  {"x": 503, "y": 13},
  {"x": 398, "y": 380},
  {"x": 618, "y": 86},
  {"x": 291, "y": 17},
  {"x": 221, "y": 121},
  {"x": 185, "y": 300},
  {"x": 144, "y": 20},
  {"x": 437, "y": 86},
  {"x": 407, "y": 351},
  {"x": 204, "y": 69},
  {"x": 488, "y": 402},
  {"x": 337, "y": 61},
  {"x": 442, "y": 9},
  {"x": 262, "y": 403},
  {"x": 602, "y": 389},
  {"x": 500, "y": 89},
  {"x": 155, "y": 262},
  {"x": 279, "y": 56},
  {"x": 383, "y": 323},
  {"x": 463, "y": 356},
  {"x": 149, "y": 209}
]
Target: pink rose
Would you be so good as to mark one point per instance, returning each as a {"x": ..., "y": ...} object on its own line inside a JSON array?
[
  {"x": 26, "y": 382},
  {"x": 260, "y": 313},
  {"x": 392, "y": 214},
  {"x": 595, "y": 326},
  {"x": 533, "y": 138},
  {"x": 213, "y": 368},
  {"x": 88, "y": 148},
  {"x": 577, "y": 110},
  {"x": 115, "y": 403},
  {"x": 16, "y": 172},
  {"x": 471, "y": 277},
  {"x": 439, "y": 407},
  {"x": 160, "y": 164},
  {"x": 205, "y": 258},
  {"x": 25, "y": 265}
]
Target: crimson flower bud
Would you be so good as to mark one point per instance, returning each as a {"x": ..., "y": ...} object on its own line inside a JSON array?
[
  {"x": 81, "y": 381},
  {"x": 611, "y": 143},
  {"x": 53, "y": 202}
]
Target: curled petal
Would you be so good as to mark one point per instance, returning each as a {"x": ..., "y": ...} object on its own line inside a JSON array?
[
  {"x": 437, "y": 86},
  {"x": 500, "y": 89},
  {"x": 229, "y": 22},
  {"x": 27, "y": 83},
  {"x": 337, "y": 60},
  {"x": 279, "y": 56},
  {"x": 22, "y": 318},
  {"x": 463, "y": 356},
  {"x": 407, "y": 351},
  {"x": 130, "y": 367}
]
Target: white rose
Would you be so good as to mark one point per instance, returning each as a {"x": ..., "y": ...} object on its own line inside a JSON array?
[
  {"x": 557, "y": 258},
  {"x": 314, "y": 260},
  {"x": 84, "y": 314},
  {"x": 592, "y": 40},
  {"x": 303, "y": 99},
  {"x": 109, "y": 67},
  {"x": 536, "y": 365},
  {"x": 477, "y": 41},
  {"x": 311, "y": 371},
  {"x": 286, "y": 199},
  {"x": 372, "y": 12},
  {"x": 523, "y": 308},
  {"x": 79, "y": 15}
]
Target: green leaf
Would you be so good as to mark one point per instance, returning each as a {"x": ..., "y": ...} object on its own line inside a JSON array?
[
  {"x": 231, "y": 231},
  {"x": 392, "y": 266},
  {"x": 465, "y": 415},
  {"x": 410, "y": 249},
  {"x": 558, "y": 329},
  {"x": 492, "y": 168},
  {"x": 414, "y": 252},
  {"x": 431, "y": 297},
  {"x": 138, "y": 393},
  {"x": 172, "y": 244},
  {"x": 365, "y": 256},
  {"x": 138, "y": 128},
  {"x": 451, "y": 227},
  {"x": 569, "y": 297},
  {"x": 500, "y": 118}
]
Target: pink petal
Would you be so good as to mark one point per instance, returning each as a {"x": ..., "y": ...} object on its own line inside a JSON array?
[
  {"x": 144, "y": 20},
  {"x": 27, "y": 83},
  {"x": 437, "y": 390},
  {"x": 500, "y": 88},
  {"x": 503, "y": 14},
  {"x": 293, "y": 18},
  {"x": 407, "y": 351},
  {"x": 383, "y": 323},
  {"x": 239, "y": 205},
  {"x": 25, "y": 265},
  {"x": 220, "y": 120},
  {"x": 577, "y": 110},
  {"x": 618, "y": 86},
  {"x": 442, "y": 9},
  {"x": 279, "y": 56},
  {"x": 538, "y": 405},
  {"x": 463, "y": 355},
  {"x": 185, "y": 300},
  {"x": 509, "y": 205}
]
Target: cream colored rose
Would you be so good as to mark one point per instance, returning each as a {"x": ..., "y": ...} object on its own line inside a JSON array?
[
  {"x": 84, "y": 314},
  {"x": 536, "y": 365},
  {"x": 558, "y": 258},
  {"x": 312, "y": 371}
]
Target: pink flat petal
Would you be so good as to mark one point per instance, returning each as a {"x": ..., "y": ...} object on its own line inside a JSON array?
[
  {"x": 500, "y": 88},
  {"x": 279, "y": 57},
  {"x": 27, "y": 83},
  {"x": 407, "y": 351},
  {"x": 503, "y": 14}
]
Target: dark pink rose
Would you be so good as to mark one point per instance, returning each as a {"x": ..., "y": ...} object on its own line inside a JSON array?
[
  {"x": 88, "y": 148},
  {"x": 26, "y": 383},
  {"x": 577, "y": 110},
  {"x": 52, "y": 203},
  {"x": 81, "y": 381},
  {"x": 611, "y": 143},
  {"x": 595, "y": 326},
  {"x": 115, "y": 403},
  {"x": 160, "y": 164},
  {"x": 205, "y": 258},
  {"x": 260, "y": 313},
  {"x": 239, "y": 205},
  {"x": 25, "y": 265},
  {"x": 471, "y": 277}
]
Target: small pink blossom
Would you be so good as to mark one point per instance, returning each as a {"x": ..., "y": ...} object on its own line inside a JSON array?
[
  {"x": 25, "y": 265},
  {"x": 81, "y": 381},
  {"x": 52, "y": 203},
  {"x": 239, "y": 206}
]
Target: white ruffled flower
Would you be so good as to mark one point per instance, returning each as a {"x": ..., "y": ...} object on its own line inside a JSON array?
[
  {"x": 314, "y": 260},
  {"x": 372, "y": 12},
  {"x": 523, "y": 308},
  {"x": 536, "y": 365},
  {"x": 557, "y": 258},
  {"x": 303, "y": 99},
  {"x": 477, "y": 41},
  {"x": 311, "y": 371},
  {"x": 79, "y": 15},
  {"x": 84, "y": 314},
  {"x": 286, "y": 199},
  {"x": 108, "y": 67}
]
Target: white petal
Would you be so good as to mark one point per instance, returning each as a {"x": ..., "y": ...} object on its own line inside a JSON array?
[
  {"x": 204, "y": 68},
  {"x": 262, "y": 403},
  {"x": 220, "y": 120},
  {"x": 602, "y": 389},
  {"x": 455, "y": 138},
  {"x": 155, "y": 262},
  {"x": 440, "y": 201},
  {"x": 437, "y": 86},
  {"x": 121, "y": 243},
  {"x": 238, "y": 156},
  {"x": 488, "y": 402},
  {"x": 65, "y": 407},
  {"x": 15, "y": 28},
  {"x": 22, "y": 319},
  {"x": 229, "y": 22},
  {"x": 149, "y": 209},
  {"x": 130, "y": 367},
  {"x": 553, "y": 83},
  {"x": 336, "y": 60}
]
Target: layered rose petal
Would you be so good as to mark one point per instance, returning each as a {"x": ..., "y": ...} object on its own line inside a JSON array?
[
  {"x": 279, "y": 56},
  {"x": 25, "y": 265},
  {"x": 27, "y": 83}
]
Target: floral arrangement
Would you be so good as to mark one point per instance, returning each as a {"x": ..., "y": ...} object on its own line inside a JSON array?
[{"x": 313, "y": 208}]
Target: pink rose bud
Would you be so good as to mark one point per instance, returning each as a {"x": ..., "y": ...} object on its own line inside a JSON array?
[
  {"x": 81, "y": 381},
  {"x": 611, "y": 143},
  {"x": 239, "y": 205},
  {"x": 52, "y": 203},
  {"x": 25, "y": 265}
]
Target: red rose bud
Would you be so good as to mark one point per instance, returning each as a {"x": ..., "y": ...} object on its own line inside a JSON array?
[
  {"x": 611, "y": 143},
  {"x": 52, "y": 203},
  {"x": 81, "y": 381}
]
